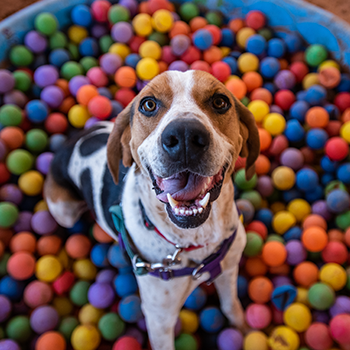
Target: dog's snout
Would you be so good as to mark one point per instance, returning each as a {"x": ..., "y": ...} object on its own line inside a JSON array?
[{"x": 185, "y": 140}]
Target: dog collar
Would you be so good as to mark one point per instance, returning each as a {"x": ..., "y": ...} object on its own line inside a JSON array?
[{"x": 163, "y": 270}]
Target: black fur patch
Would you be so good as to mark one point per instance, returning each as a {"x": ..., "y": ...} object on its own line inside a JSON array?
[
  {"x": 93, "y": 144},
  {"x": 86, "y": 188}
]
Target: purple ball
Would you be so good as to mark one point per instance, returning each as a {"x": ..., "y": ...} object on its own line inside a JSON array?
[
  {"x": 44, "y": 318},
  {"x": 3, "y": 150},
  {"x": 230, "y": 339},
  {"x": 265, "y": 186},
  {"x": 276, "y": 109},
  {"x": 106, "y": 276},
  {"x": 141, "y": 323},
  {"x": 122, "y": 32},
  {"x": 285, "y": 79},
  {"x": 23, "y": 222},
  {"x": 296, "y": 253},
  {"x": 90, "y": 122},
  {"x": 320, "y": 208},
  {"x": 178, "y": 65},
  {"x": 52, "y": 95},
  {"x": 46, "y": 75},
  {"x": 5, "y": 308},
  {"x": 43, "y": 223},
  {"x": 135, "y": 333},
  {"x": 178, "y": 327},
  {"x": 43, "y": 162},
  {"x": 36, "y": 42},
  {"x": 11, "y": 193},
  {"x": 16, "y": 97},
  {"x": 140, "y": 84},
  {"x": 7, "y": 81},
  {"x": 279, "y": 281},
  {"x": 131, "y": 5},
  {"x": 9, "y": 344},
  {"x": 110, "y": 62},
  {"x": 101, "y": 295},
  {"x": 98, "y": 30},
  {"x": 180, "y": 44},
  {"x": 320, "y": 316},
  {"x": 76, "y": 83},
  {"x": 341, "y": 306},
  {"x": 292, "y": 158}
]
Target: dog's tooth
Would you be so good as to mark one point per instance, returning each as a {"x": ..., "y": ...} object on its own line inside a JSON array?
[
  {"x": 195, "y": 211},
  {"x": 172, "y": 201},
  {"x": 200, "y": 210},
  {"x": 204, "y": 202},
  {"x": 177, "y": 211},
  {"x": 187, "y": 212},
  {"x": 190, "y": 212},
  {"x": 182, "y": 211}
]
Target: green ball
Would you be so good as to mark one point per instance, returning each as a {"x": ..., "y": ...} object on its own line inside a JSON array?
[
  {"x": 188, "y": 11},
  {"x": 79, "y": 293},
  {"x": 67, "y": 326},
  {"x": 21, "y": 56},
  {"x": 23, "y": 81},
  {"x": 334, "y": 185},
  {"x": 105, "y": 43},
  {"x": 70, "y": 69},
  {"x": 111, "y": 326},
  {"x": 253, "y": 197},
  {"x": 160, "y": 38},
  {"x": 73, "y": 51},
  {"x": 36, "y": 140},
  {"x": 321, "y": 296},
  {"x": 254, "y": 244},
  {"x": 266, "y": 33},
  {"x": 19, "y": 161},
  {"x": 241, "y": 181},
  {"x": 118, "y": 13},
  {"x": 214, "y": 17},
  {"x": 58, "y": 40},
  {"x": 343, "y": 220},
  {"x": 18, "y": 329},
  {"x": 275, "y": 238},
  {"x": 245, "y": 101},
  {"x": 8, "y": 214},
  {"x": 46, "y": 23},
  {"x": 10, "y": 115},
  {"x": 88, "y": 62},
  {"x": 186, "y": 342},
  {"x": 315, "y": 55},
  {"x": 3, "y": 263}
]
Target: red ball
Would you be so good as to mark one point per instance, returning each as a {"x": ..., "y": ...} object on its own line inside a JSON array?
[
  {"x": 201, "y": 65},
  {"x": 4, "y": 173},
  {"x": 342, "y": 101},
  {"x": 167, "y": 55},
  {"x": 63, "y": 283},
  {"x": 255, "y": 19},
  {"x": 191, "y": 55},
  {"x": 333, "y": 128},
  {"x": 240, "y": 163},
  {"x": 299, "y": 69},
  {"x": 124, "y": 96},
  {"x": 308, "y": 154},
  {"x": 126, "y": 343},
  {"x": 135, "y": 43},
  {"x": 318, "y": 337},
  {"x": 100, "y": 9},
  {"x": 335, "y": 252},
  {"x": 100, "y": 107},
  {"x": 284, "y": 99},
  {"x": 258, "y": 227},
  {"x": 278, "y": 145},
  {"x": 340, "y": 326},
  {"x": 56, "y": 123},
  {"x": 221, "y": 70},
  {"x": 336, "y": 148},
  {"x": 258, "y": 316},
  {"x": 215, "y": 32}
]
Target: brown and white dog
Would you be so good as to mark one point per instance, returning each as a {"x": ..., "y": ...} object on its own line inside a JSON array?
[{"x": 181, "y": 137}]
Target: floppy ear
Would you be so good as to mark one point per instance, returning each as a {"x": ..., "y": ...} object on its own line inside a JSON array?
[
  {"x": 251, "y": 141},
  {"x": 118, "y": 145}
]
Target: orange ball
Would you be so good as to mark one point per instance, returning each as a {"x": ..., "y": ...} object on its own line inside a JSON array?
[
  {"x": 236, "y": 24},
  {"x": 346, "y": 116},
  {"x": 255, "y": 267},
  {"x": 306, "y": 274},
  {"x": 125, "y": 77},
  {"x": 21, "y": 265},
  {"x": 12, "y": 136},
  {"x": 2, "y": 249},
  {"x": 329, "y": 77},
  {"x": 5, "y": 235},
  {"x": 317, "y": 117},
  {"x": 237, "y": 87},
  {"x": 23, "y": 242},
  {"x": 260, "y": 290},
  {"x": 163, "y": 67},
  {"x": 265, "y": 139},
  {"x": 64, "y": 85},
  {"x": 314, "y": 239},
  {"x": 56, "y": 123},
  {"x": 51, "y": 340},
  {"x": 314, "y": 220},
  {"x": 66, "y": 104},
  {"x": 197, "y": 23},
  {"x": 274, "y": 253},
  {"x": 336, "y": 235},
  {"x": 179, "y": 27},
  {"x": 347, "y": 237},
  {"x": 283, "y": 270},
  {"x": 283, "y": 63},
  {"x": 48, "y": 245},
  {"x": 262, "y": 94},
  {"x": 213, "y": 54},
  {"x": 78, "y": 246},
  {"x": 262, "y": 165},
  {"x": 100, "y": 235},
  {"x": 86, "y": 93},
  {"x": 252, "y": 80}
]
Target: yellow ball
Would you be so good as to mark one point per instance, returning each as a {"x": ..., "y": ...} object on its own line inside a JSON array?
[
  {"x": 283, "y": 221},
  {"x": 41, "y": 206},
  {"x": 142, "y": 24},
  {"x": 150, "y": 49},
  {"x": 260, "y": 109},
  {"x": 162, "y": 21},
  {"x": 31, "y": 183},
  {"x": 276, "y": 207},
  {"x": 298, "y": 317},
  {"x": 77, "y": 33},
  {"x": 327, "y": 64},
  {"x": 283, "y": 178},
  {"x": 302, "y": 296},
  {"x": 345, "y": 132},
  {"x": 78, "y": 115},
  {"x": 310, "y": 80},
  {"x": 243, "y": 35},
  {"x": 63, "y": 306},
  {"x": 274, "y": 123},
  {"x": 48, "y": 268},
  {"x": 88, "y": 314},
  {"x": 225, "y": 51},
  {"x": 300, "y": 208},
  {"x": 147, "y": 68},
  {"x": 255, "y": 340},
  {"x": 334, "y": 275},
  {"x": 84, "y": 269},
  {"x": 189, "y": 321},
  {"x": 248, "y": 62},
  {"x": 120, "y": 49},
  {"x": 284, "y": 338},
  {"x": 64, "y": 258},
  {"x": 85, "y": 337}
]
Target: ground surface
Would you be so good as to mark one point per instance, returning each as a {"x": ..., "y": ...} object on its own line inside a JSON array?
[{"x": 339, "y": 7}]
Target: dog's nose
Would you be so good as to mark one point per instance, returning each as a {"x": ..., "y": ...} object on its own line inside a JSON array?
[{"x": 185, "y": 140}]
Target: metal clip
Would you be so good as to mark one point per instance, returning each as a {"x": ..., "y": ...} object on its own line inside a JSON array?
[
  {"x": 196, "y": 274},
  {"x": 174, "y": 259},
  {"x": 140, "y": 264}
]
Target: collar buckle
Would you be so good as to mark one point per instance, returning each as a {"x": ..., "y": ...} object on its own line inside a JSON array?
[{"x": 174, "y": 259}]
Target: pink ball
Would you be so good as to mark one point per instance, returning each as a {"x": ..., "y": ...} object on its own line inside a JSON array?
[
  {"x": 258, "y": 316},
  {"x": 277, "y": 316},
  {"x": 318, "y": 337},
  {"x": 37, "y": 293},
  {"x": 340, "y": 328},
  {"x": 97, "y": 76}
]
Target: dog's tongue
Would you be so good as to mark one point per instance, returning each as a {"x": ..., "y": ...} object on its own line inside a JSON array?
[{"x": 183, "y": 186}]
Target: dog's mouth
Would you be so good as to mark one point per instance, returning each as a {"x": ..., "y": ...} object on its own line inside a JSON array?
[{"x": 188, "y": 196}]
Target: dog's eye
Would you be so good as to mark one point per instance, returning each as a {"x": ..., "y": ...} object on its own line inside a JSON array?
[
  {"x": 148, "y": 106},
  {"x": 219, "y": 103}
]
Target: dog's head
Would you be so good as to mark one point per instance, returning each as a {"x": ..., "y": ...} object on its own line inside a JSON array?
[{"x": 185, "y": 131}]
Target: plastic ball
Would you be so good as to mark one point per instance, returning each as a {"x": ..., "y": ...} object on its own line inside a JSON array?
[
  {"x": 21, "y": 265},
  {"x": 260, "y": 289},
  {"x": 196, "y": 300},
  {"x": 8, "y": 214},
  {"x": 333, "y": 275},
  {"x": 256, "y": 340},
  {"x": 230, "y": 339},
  {"x": 147, "y": 68},
  {"x": 315, "y": 55},
  {"x": 269, "y": 67},
  {"x": 274, "y": 253},
  {"x": 18, "y": 329},
  {"x": 298, "y": 317},
  {"x": 248, "y": 62},
  {"x": 85, "y": 337},
  {"x": 48, "y": 339},
  {"x": 321, "y": 296},
  {"x": 314, "y": 239},
  {"x": 46, "y": 23},
  {"x": 37, "y": 111},
  {"x": 338, "y": 201},
  {"x": 211, "y": 319},
  {"x": 285, "y": 335},
  {"x": 258, "y": 316},
  {"x": 339, "y": 329},
  {"x": 6, "y": 308},
  {"x": 276, "y": 48},
  {"x": 318, "y": 336},
  {"x": 125, "y": 285},
  {"x": 10, "y": 115},
  {"x": 111, "y": 326},
  {"x": 274, "y": 123},
  {"x": 48, "y": 268},
  {"x": 189, "y": 321},
  {"x": 283, "y": 221},
  {"x": 101, "y": 295},
  {"x": 130, "y": 308},
  {"x": 336, "y": 148},
  {"x": 43, "y": 319}
]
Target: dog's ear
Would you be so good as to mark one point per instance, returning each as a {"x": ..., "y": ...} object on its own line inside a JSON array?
[
  {"x": 251, "y": 141},
  {"x": 118, "y": 145}
]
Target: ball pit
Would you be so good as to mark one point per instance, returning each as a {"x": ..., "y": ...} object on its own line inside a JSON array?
[{"x": 68, "y": 73}]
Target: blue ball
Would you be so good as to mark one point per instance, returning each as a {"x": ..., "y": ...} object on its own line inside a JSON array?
[
  {"x": 211, "y": 319},
  {"x": 117, "y": 257},
  {"x": 270, "y": 87},
  {"x": 232, "y": 62},
  {"x": 242, "y": 286},
  {"x": 40, "y": 60},
  {"x": 235, "y": 54},
  {"x": 306, "y": 179},
  {"x": 294, "y": 131},
  {"x": 265, "y": 216},
  {"x": 343, "y": 173},
  {"x": 125, "y": 285},
  {"x": 81, "y": 226},
  {"x": 344, "y": 85},
  {"x": 338, "y": 201},
  {"x": 89, "y": 47},
  {"x": 129, "y": 309},
  {"x": 293, "y": 233},
  {"x": 291, "y": 194},
  {"x": 116, "y": 108},
  {"x": 256, "y": 44},
  {"x": 315, "y": 95},
  {"x": 81, "y": 15},
  {"x": 196, "y": 300},
  {"x": 276, "y": 48},
  {"x": 316, "y": 138},
  {"x": 332, "y": 110},
  {"x": 203, "y": 39},
  {"x": 328, "y": 165},
  {"x": 293, "y": 42},
  {"x": 301, "y": 95},
  {"x": 37, "y": 111},
  {"x": 283, "y": 296},
  {"x": 57, "y": 141},
  {"x": 103, "y": 91},
  {"x": 269, "y": 67},
  {"x": 99, "y": 254},
  {"x": 59, "y": 57},
  {"x": 227, "y": 37},
  {"x": 11, "y": 288},
  {"x": 298, "y": 110},
  {"x": 132, "y": 60},
  {"x": 314, "y": 195},
  {"x": 36, "y": 90},
  {"x": 327, "y": 178}
]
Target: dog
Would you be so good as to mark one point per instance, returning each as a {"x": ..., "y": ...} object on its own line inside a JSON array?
[{"x": 178, "y": 141}]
